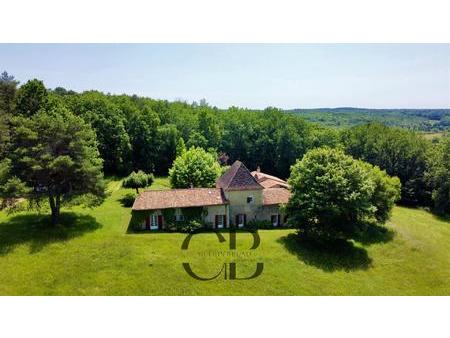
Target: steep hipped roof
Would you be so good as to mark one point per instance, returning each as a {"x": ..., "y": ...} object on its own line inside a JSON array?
[
  {"x": 238, "y": 177},
  {"x": 275, "y": 196},
  {"x": 179, "y": 198}
]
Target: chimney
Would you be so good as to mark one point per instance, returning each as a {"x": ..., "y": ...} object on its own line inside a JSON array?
[{"x": 258, "y": 169}]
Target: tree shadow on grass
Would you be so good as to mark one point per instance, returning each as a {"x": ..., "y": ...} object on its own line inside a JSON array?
[
  {"x": 329, "y": 257},
  {"x": 127, "y": 200},
  {"x": 36, "y": 230},
  {"x": 374, "y": 234},
  {"x": 442, "y": 217}
]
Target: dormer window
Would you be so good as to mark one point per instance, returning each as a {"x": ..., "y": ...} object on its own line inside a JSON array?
[{"x": 250, "y": 199}]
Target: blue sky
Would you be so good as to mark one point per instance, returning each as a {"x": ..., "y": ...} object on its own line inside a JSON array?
[{"x": 247, "y": 75}]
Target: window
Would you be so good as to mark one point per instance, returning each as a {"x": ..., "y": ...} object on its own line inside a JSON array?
[
  {"x": 221, "y": 221},
  {"x": 154, "y": 222},
  {"x": 250, "y": 199},
  {"x": 240, "y": 220},
  {"x": 179, "y": 217},
  {"x": 275, "y": 220}
]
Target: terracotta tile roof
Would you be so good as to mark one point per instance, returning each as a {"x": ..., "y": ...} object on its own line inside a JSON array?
[
  {"x": 275, "y": 196},
  {"x": 268, "y": 183},
  {"x": 238, "y": 177},
  {"x": 179, "y": 198},
  {"x": 262, "y": 177}
]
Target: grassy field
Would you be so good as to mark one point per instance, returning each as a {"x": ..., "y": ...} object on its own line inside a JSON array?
[
  {"x": 92, "y": 254},
  {"x": 432, "y": 136}
]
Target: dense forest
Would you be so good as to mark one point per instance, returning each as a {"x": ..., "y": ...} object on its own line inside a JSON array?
[
  {"x": 139, "y": 133},
  {"x": 424, "y": 120}
]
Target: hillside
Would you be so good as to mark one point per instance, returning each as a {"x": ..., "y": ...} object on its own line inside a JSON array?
[{"x": 426, "y": 120}]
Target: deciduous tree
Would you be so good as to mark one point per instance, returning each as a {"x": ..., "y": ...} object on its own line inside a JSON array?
[
  {"x": 438, "y": 174},
  {"x": 400, "y": 152},
  {"x": 138, "y": 180},
  {"x": 194, "y": 168},
  {"x": 31, "y": 97},
  {"x": 334, "y": 195}
]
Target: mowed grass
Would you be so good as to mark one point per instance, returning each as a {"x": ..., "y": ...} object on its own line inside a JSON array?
[{"x": 92, "y": 254}]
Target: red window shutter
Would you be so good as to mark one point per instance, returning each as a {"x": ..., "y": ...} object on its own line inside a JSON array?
[
  {"x": 279, "y": 219},
  {"x": 237, "y": 219},
  {"x": 224, "y": 221},
  {"x": 160, "y": 221},
  {"x": 245, "y": 219},
  {"x": 216, "y": 221},
  {"x": 147, "y": 222}
]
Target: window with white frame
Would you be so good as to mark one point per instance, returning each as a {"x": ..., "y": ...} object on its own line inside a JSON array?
[
  {"x": 154, "y": 221},
  {"x": 275, "y": 219},
  {"x": 249, "y": 199},
  {"x": 240, "y": 220},
  {"x": 220, "y": 221}
]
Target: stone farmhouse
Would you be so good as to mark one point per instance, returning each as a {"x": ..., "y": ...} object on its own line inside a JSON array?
[{"x": 240, "y": 196}]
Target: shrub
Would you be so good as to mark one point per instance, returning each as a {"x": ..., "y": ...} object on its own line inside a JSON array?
[
  {"x": 128, "y": 200},
  {"x": 256, "y": 224},
  {"x": 191, "y": 226}
]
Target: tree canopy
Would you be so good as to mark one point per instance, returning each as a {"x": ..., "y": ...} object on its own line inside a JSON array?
[
  {"x": 438, "y": 175},
  {"x": 138, "y": 180},
  {"x": 334, "y": 195},
  {"x": 138, "y": 133},
  {"x": 31, "y": 97},
  {"x": 8, "y": 89},
  {"x": 400, "y": 152},
  {"x": 54, "y": 154},
  {"x": 194, "y": 168}
]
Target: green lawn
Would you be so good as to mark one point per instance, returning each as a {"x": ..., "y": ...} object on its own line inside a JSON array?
[{"x": 94, "y": 255}]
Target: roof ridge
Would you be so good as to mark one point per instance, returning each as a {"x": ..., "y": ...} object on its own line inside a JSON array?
[
  {"x": 238, "y": 176},
  {"x": 267, "y": 176},
  {"x": 196, "y": 188}
]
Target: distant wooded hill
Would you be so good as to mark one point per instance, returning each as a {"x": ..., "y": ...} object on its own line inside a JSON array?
[{"x": 427, "y": 120}]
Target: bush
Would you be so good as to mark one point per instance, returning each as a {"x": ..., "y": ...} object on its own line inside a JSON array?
[
  {"x": 128, "y": 200},
  {"x": 255, "y": 224},
  {"x": 171, "y": 227},
  {"x": 192, "y": 226}
]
